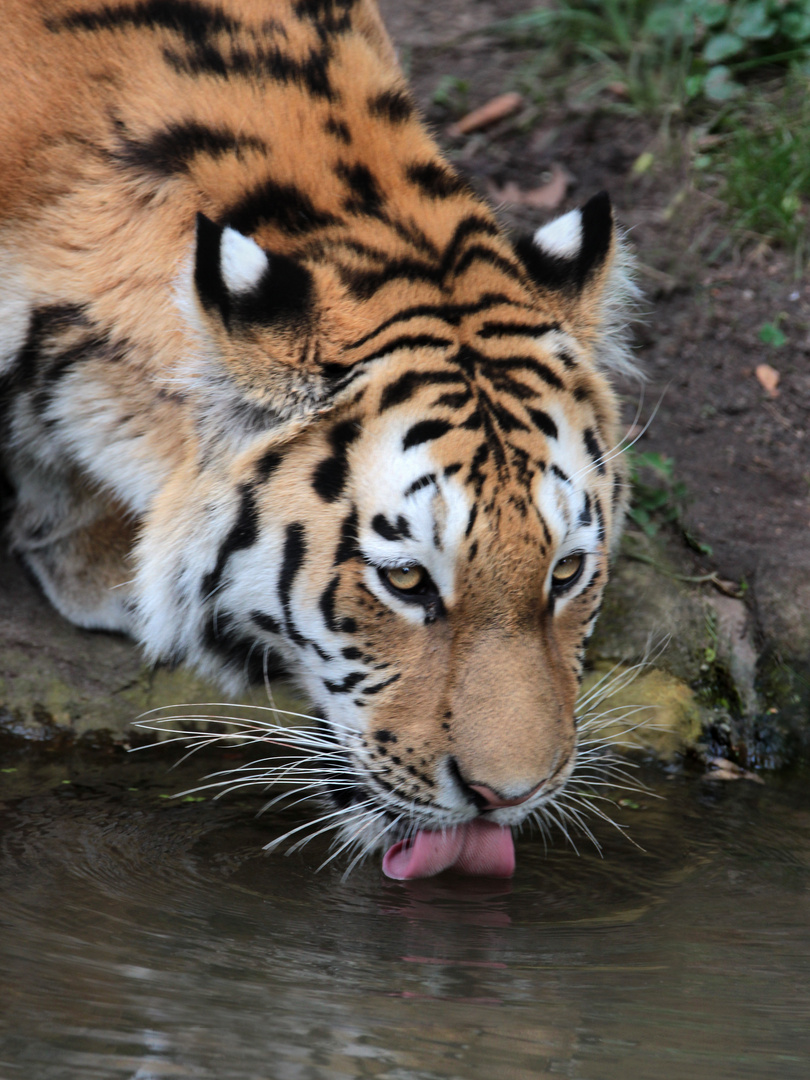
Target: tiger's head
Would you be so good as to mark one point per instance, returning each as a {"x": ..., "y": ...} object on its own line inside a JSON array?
[{"x": 421, "y": 535}]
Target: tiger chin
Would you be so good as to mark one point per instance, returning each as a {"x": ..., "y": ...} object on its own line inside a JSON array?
[{"x": 280, "y": 396}]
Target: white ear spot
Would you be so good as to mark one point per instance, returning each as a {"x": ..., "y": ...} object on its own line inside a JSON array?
[
  {"x": 561, "y": 237},
  {"x": 241, "y": 261}
]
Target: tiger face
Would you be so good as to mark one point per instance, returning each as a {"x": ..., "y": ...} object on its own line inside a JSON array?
[
  {"x": 436, "y": 570},
  {"x": 301, "y": 407}
]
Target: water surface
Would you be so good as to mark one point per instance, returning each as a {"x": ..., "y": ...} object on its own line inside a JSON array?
[{"x": 141, "y": 937}]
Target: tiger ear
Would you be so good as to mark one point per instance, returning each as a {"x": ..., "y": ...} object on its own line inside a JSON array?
[
  {"x": 569, "y": 250},
  {"x": 581, "y": 259},
  {"x": 243, "y": 284},
  {"x": 257, "y": 318}
]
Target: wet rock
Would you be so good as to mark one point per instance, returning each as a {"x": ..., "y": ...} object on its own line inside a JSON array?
[
  {"x": 783, "y": 602},
  {"x": 650, "y": 711},
  {"x": 648, "y": 612},
  {"x": 58, "y": 681},
  {"x": 734, "y": 628}
]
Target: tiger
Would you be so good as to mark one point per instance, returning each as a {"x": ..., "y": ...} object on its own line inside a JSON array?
[{"x": 281, "y": 397}]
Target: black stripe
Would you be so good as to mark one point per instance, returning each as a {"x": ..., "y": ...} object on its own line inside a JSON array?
[
  {"x": 516, "y": 329},
  {"x": 422, "y": 482},
  {"x": 366, "y": 196},
  {"x": 453, "y": 401},
  {"x": 470, "y": 225},
  {"x": 481, "y": 253},
  {"x": 339, "y": 129},
  {"x": 347, "y": 546},
  {"x": 424, "y": 431},
  {"x": 333, "y": 16},
  {"x": 410, "y": 381},
  {"x": 537, "y": 367},
  {"x": 363, "y": 284},
  {"x": 509, "y": 385},
  {"x": 44, "y": 324},
  {"x": 330, "y": 475},
  {"x": 544, "y": 423},
  {"x": 377, "y": 687},
  {"x": 471, "y": 519},
  {"x": 595, "y": 451},
  {"x": 266, "y": 622},
  {"x": 506, "y": 420},
  {"x": 435, "y": 180},
  {"x": 295, "y": 549},
  {"x": 267, "y": 465},
  {"x": 327, "y": 604},
  {"x": 263, "y": 62},
  {"x": 282, "y": 205},
  {"x": 449, "y": 313},
  {"x": 192, "y": 20},
  {"x": 381, "y": 525},
  {"x": 409, "y": 341},
  {"x": 245, "y": 655},
  {"x": 347, "y": 684},
  {"x": 243, "y": 534},
  {"x": 171, "y": 149},
  {"x": 394, "y": 105}
]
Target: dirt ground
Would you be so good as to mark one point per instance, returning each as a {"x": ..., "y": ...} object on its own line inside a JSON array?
[{"x": 743, "y": 455}]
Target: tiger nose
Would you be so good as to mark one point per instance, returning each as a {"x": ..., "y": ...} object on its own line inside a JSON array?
[{"x": 487, "y": 799}]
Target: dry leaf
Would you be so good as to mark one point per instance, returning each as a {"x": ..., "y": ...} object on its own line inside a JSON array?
[
  {"x": 547, "y": 197},
  {"x": 768, "y": 379},
  {"x": 497, "y": 109}
]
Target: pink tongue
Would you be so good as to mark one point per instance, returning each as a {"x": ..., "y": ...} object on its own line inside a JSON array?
[{"x": 478, "y": 847}]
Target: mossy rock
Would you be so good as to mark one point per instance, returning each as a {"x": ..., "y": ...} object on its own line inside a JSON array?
[{"x": 651, "y": 711}]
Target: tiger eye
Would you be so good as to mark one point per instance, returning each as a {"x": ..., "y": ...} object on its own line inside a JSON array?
[
  {"x": 567, "y": 569},
  {"x": 405, "y": 578}
]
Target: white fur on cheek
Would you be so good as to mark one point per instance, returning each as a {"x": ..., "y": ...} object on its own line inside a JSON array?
[
  {"x": 241, "y": 261},
  {"x": 562, "y": 236}
]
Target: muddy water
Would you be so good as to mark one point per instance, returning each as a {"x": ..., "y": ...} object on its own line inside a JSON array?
[{"x": 145, "y": 938}]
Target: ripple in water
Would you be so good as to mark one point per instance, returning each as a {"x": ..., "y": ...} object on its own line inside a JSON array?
[{"x": 143, "y": 938}]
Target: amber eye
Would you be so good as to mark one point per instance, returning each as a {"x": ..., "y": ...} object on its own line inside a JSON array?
[
  {"x": 405, "y": 578},
  {"x": 567, "y": 570}
]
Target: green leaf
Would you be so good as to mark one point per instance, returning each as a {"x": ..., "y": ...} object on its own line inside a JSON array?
[
  {"x": 722, "y": 47},
  {"x": 694, "y": 85},
  {"x": 795, "y": 25},
  {"x": 668, "y": 21},
  {"x": 770, "y": 334},
  {"x": 755, "y": 24},
  {"x": 720, "y": 85},
  {"x": 710, "y": 12}
]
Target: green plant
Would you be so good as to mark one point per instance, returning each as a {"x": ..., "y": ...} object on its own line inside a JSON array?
[
  {"x": 742, "y": 36},
  {"x": 669, "y": 50},
  {"x": 607, "y": 39},
  {"x": 763, "y": 165},
  {"x": 659, "y": 499},
  {"x": 452, "y": 93},
  {"x": 770, "y": 334}
]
